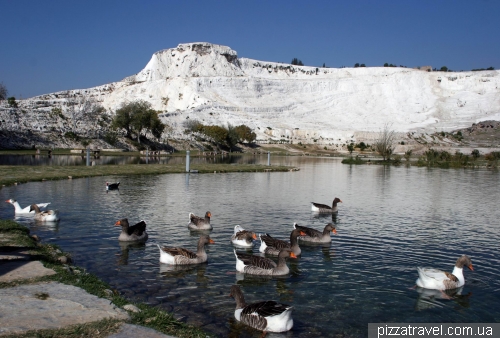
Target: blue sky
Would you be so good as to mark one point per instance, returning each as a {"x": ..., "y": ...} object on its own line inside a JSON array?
[{"x": 49, "y": 46}]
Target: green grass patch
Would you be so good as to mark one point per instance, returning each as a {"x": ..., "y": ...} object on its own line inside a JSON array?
[
  {"x": 48, "y": 254},
  {"x": 353, "y": 160},
  {"x": 10, "y": 174}
]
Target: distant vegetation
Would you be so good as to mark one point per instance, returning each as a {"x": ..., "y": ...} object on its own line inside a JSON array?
[
  {"x": 137, "y": 117},
  {"x": 221, "y": 136},
  {"x": 479, "y": 69},
  {"x": 444, "y": 159},
  {"x": 297, "y": 62},
  {"x": 356, "y": 65}
]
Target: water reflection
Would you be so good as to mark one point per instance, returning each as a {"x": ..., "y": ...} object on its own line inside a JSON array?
[
  {"x": 125, "y": 248},
  {"x": 390, "y": 224},
  {"x": 428, "y": 299}
]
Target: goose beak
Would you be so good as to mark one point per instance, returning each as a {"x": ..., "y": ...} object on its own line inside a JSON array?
[
  {"x": 340, "y": 201},
  {"x": 292, "y": 255},
  {"x": 471, "y": 267},
  {"x": 302, "y": 233},
  {"x": 118, "y": 223},
  {"x": 334, "y": 231},
  {"x": 211, "y": 241},
  {"x": 254, "y": 236}
]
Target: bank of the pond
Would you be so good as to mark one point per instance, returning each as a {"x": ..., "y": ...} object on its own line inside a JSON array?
[
  {"x": 43, "y": 295},
  {"x": 14, "y": 174}
]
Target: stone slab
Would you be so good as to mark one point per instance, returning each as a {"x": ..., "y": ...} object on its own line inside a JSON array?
[
  {"x": 15, "y": 270},
  {"x": 51, "y": 306},
  {"x": 134, "y": 331}
]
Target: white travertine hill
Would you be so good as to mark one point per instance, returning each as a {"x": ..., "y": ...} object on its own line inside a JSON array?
[{"x": 210, "y": 83}]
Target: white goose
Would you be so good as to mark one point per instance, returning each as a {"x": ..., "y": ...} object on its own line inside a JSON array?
[
  {"x": 45, "y": 216},
  {"x": 181, "y": 256},
  {"x": 242, "y": 237},
  {"x": 442, "y": 280},
  {"x": 19, "y": 211},
  {"x": 267, "y": 316}
]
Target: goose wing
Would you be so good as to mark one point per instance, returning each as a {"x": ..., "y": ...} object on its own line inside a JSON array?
[
  {"x": 258, "y": 261},
  {"x": 244, "y": 234},
  {"x": 321, "y": 206},
  {"x": 180, "y": 252},
  {"x": 436, "y": 274},
  {"x": 137, "y": 229},
  {"x": 265, "y": 308},
  {"x": 309, "y": 231},
  {"x": 273, "y": 242}
]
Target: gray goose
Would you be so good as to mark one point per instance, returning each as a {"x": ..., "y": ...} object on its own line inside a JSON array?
[
  {"x": 318, "y": 207},
  {"x": 200, "y": 223},
  {"x": 181, "y": 256},
  {"x": 315, "y": 236},
  {"x": 267, "y": 316},
  {"x": 261, "y": 266},
  {"x": 273, "y": 246},
  {"x": 442, "y": 280},
  {"x": 134, "y": 233},
  {"x": 242, "y": 237}
]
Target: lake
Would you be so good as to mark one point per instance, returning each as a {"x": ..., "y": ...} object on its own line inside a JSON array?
[{"x": 392, "y": 220}]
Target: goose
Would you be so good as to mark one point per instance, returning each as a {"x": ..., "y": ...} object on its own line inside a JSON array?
[
  {"x": 272, "y": 246},
  {"x": 441, "y": 280},
  {"x": 181, "y": 256},
  {"x": 200, "y": 223},
  {"x": 18, "y": 210},
  {"x": 267, "y": 316},
  {"x": 262, "y": 266},
  {"x": 112, "y": 186},
  {"x": 242, "y": 237},
  {"x": 318, "y": 207},
  {"x": 45, "y": 216},
  {"x": 315, "y": 236},
  {"x": 134, "y": 233}
]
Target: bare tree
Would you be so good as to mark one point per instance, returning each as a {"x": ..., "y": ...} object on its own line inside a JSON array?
[
  {"x": 384, "y": 144},
  {"x": 82, "y": 108},
  {"x": 3, "y": 92}
]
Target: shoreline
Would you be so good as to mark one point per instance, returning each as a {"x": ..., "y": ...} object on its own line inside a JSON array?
[{"x": 33, "y": 271}]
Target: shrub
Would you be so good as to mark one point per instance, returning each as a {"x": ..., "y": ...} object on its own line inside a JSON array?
[
  {"x": 71, "y": 135},
  {"x": 111, "y": 138},
  {"x": 12, "y": 102},
  {"x": 408, "y": 155}
]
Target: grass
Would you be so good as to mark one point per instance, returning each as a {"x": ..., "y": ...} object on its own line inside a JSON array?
[
  {"x": 48, "y": 254},
  {"x": 12, "y": 174},
  {"x": 353, "y": 160}
]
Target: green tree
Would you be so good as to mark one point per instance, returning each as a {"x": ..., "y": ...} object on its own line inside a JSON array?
[
  {"x": 138, "y": 117},
  {"x": 12, "y": 102},
  {"x": 386, "y": 64},
  {"x": 444, "y": 69},
  {"x": 350, "y": 148},
  {"x": 218, "y": 134},
  {"x": 356, "y": 65},
  {"x": 245, "y": 134},
  {"x": 475, "y": 154}
]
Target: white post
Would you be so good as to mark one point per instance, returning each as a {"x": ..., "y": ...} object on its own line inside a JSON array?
[
  {"x": 269, "y": 158},
  {"x": 187, "y": 161},
  {"x": 88, "y": 157}
]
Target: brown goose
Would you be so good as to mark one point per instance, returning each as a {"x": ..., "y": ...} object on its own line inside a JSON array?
[
  {"x": 273, "y": 246},
  {"x": 257, "y": 265},
  {"x": 442, "y": 280},
  {"x": 315, "y": 236},
  {"x": 200, "y": 223},
  {"x": 318, "y": 207},
  {"x": 181, "y": 256},
  {"x": 267, "y": 316},
  {"x": 134, "y": 233},
  {"x": 45, "y": 216},
  {"x": 242, "y": 237}
]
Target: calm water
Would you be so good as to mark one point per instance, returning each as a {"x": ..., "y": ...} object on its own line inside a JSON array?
[{"x": 393, "y": 219}]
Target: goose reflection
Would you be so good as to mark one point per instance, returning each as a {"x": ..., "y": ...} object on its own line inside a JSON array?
[
  {"x": 429, "y": 298},
  {"x": 325, "y": 215},
  {"x": 125, "y": 248},
  {"x": 182, "y": 271}
]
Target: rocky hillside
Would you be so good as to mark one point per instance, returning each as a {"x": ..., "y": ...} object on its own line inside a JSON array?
[{"x": 329, "y": 106}]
